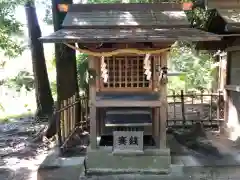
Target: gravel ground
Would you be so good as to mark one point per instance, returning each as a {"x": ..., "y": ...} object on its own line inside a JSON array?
[{"x": 20, "y": 156}]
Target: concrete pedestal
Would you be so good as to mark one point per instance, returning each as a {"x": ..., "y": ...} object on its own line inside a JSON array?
[
  {"x": 55, "y": 167},
  {"x": 102, "y": 160}
]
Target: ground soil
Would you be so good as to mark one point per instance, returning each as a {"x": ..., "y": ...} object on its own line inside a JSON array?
[{"x": 20, "y": 154}]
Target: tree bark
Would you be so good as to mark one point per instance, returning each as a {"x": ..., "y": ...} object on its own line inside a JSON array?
[
  {"x": 42, "y": 87},
  {"x": 67, "y": 84}
]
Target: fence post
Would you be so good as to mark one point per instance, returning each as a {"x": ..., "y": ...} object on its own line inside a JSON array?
[
  {"x": 211, "y": 106},
  {"x": 58, "y": 123},
  {"x": 174, "y": 105},
  {"x": 78, "y": 109},
  {"x": 183, "y": 107},
  {"x": 218, "y": 105}
]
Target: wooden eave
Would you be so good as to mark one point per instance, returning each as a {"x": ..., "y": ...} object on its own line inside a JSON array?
[
  {"x": 212, "y": 45},
  {"x": 222, "y": 4},
  {"x": 125, "y": 36},
  {"x": 225, "y": 23}
]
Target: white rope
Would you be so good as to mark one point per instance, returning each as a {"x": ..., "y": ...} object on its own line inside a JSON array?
[
  {"x": 147, "y": 66},
  {"x": 104, "y": 70}
]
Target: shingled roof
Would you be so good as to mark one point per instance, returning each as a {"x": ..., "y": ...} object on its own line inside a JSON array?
[
  {"x": 125, "y": 15},
  {"x": 94, "y": 23},
  {"x": 224, "y": 22}
]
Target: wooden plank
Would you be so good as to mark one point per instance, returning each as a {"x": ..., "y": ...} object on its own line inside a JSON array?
[
  {"x": 126, "y": 89},
  {"x": 127, "y": 35},
  {"x": 97, "y": 65},
  {"x": 126, "y": 70},
  {"x": 156, "y": 122},
  {"x": 70, "y": 117},
  {"x": 114, "y": 75},
  {"x": 163, "y": 108},
  {"x": 232, "y": 48},
  {"x": 92, "y": 99},
  {"x": 232, "y": 88},
  {"x": 65, "y": 120},
  {"x": 124, "y": 103},
  {"x": 132, "y": 70},
  {"x": 62, "y": 122}
]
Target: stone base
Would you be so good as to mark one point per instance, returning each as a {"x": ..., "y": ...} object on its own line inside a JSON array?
[
  {"x": 55, "y": 167},
  {"x": 103, "y": 161}
]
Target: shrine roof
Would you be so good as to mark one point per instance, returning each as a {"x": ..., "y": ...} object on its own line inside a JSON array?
[
  {"x": 224, "y": 22},
  {"x": 128, "y": 35},
  {"x": 142, "y": 15},
  {"x": 231, "y": 18}
]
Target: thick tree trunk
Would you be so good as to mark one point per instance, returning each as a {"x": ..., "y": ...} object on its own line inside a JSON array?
[
  {"x": 66, "y": 68},
  {"x": 67, "y": 84},
  {"x": 43, "y": 92}
]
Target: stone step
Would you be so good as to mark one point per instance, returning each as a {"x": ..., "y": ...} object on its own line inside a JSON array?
[
  {"x": 133, "y": 177},
  {"x": 127, "y": 152}
]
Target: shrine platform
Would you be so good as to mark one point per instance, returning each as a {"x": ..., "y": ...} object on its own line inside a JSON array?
[
  {"x": 151, "y": 161},
  {"x": 186, "y": 164}
]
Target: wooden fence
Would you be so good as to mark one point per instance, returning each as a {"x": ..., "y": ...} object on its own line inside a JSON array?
[
  {"x": 185, "y": 109},
  {"x": 72, "y": 115}
]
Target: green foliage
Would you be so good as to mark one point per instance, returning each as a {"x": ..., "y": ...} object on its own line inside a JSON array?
[
  {"x": 48, "y": 11},
  {"x": 53, "y": 86},
  {"x": 82, "y": 70},
  {"x": 85, "y": 75},
  {"x": 10, "y": 28},
  {"x": 23, "y": 78},
  {"x": 197, "y": 66}
]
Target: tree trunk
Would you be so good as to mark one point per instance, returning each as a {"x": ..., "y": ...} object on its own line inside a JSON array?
[
  {"x": 67, "y": 84},
  {"x": 43, "y": 92}
]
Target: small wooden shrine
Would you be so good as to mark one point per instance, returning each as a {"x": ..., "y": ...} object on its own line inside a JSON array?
[
  {"x": 225, "y": 21},
  {"x": 127, "y": 46}
]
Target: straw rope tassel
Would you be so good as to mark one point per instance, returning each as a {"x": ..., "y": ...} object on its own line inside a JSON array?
[
  {"x": 147, "y": 66},
  {"x": 104, "y": 70}
]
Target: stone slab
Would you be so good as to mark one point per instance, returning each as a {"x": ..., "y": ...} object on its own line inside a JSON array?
[
  {"x": 134, "y": 177},
  {"x": 55, "y": 167},
  {"x": 103, "y": 162}
]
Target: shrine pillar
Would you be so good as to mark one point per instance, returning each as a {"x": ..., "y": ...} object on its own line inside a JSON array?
[
  {"x": 160, "y": 113},
  {"x": 92, "y": 104},
  {"x": 163, "y": 109}
]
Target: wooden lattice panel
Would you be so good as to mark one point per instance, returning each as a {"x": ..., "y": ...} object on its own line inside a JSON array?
[{"x": 126, "y": 72}]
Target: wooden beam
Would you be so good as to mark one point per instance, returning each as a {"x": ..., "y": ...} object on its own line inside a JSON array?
[
  {"x": 92, "y": 99},
  {"x": 235, "y": 88},
  {"x": 233, "y": 48},
  {"x": 156, "y": 112},
  {"x": 124, "y": 103},
  {"x": 163, "y": 109}
]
